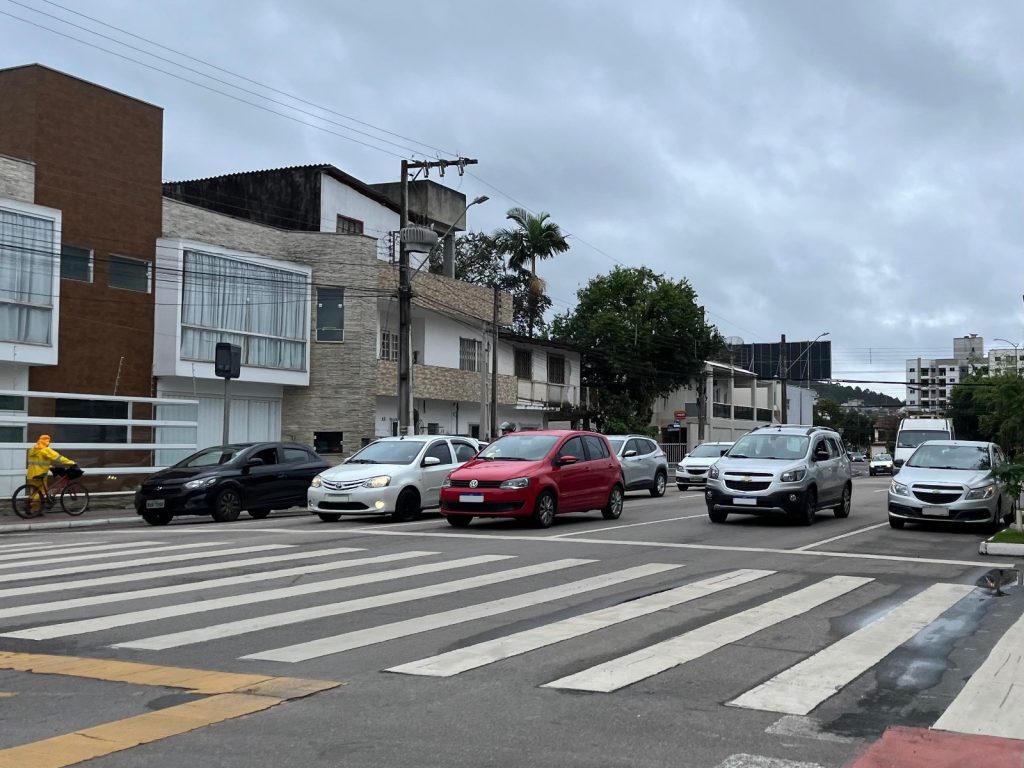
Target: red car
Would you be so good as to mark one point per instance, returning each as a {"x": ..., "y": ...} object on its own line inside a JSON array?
[{"x": 536, "y": 475}]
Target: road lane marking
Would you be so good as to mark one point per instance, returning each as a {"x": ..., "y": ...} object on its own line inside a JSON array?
[
  {"x": 257, "y": 623},
  {"x": 99, "y": 624},
  {"x": 24, "y": 553},
  {"x": 490, "y": 651},
  {"x": 138, "y": 550},
  {"x": 4, "y": 548},
  {"x": 143, "y": 562},
  {"x": 229, "y": 695},
  {"x": 801, "y": 688},
  {"x": 208, "y": 584},
  {"x": 990, "y": 704},
  {"x": 628, "y": 525},
  {"x": 840, "y": 536},
  {"x": 657, "y": 658},
  {"x": 361, "y": 638}
]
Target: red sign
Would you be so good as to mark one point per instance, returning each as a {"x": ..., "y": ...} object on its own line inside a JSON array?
[{"x": 680, "y": 415}]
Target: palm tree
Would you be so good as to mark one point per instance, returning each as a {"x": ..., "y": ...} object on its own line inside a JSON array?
[{"x": 534, "y": 237}]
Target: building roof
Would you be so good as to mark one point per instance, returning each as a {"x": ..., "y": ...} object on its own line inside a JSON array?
[
  {"x": 517, "y": 338},
  {"x": 51, "y": 70}
]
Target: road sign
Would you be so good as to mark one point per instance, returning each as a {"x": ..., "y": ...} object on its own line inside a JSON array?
[{"x": 679, "y": 415}]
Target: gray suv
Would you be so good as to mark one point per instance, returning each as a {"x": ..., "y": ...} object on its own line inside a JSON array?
[
  {"x": 644, "y": 464},
  {"x": 782, "y": 469}
]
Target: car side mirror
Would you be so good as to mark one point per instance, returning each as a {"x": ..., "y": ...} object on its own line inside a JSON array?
[
  {"x": 566, "y": 460},
  {"x": 821, "y": 456},
  {"x": 686, "y": 455},
  {"x": 254, "y": 462},
  {"x": 629, "y": 454},
  {"x": 431, "y": 461}
]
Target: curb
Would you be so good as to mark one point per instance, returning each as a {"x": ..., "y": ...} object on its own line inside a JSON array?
[
  {"x": 997, "y": 548},
  {"x": 58, "y": 525}
]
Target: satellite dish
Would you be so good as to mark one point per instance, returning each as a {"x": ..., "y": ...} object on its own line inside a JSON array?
[{"x": 734, "y": 341}]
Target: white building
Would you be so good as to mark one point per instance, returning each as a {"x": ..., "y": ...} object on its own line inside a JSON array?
[{"x": 1005, "y": 361}]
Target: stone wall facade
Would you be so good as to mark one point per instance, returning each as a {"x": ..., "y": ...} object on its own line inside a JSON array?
[
  {"x": 447, "y": 295},
  {"x": 17, "y": 179},
  {"x": 433, "y": 382}
]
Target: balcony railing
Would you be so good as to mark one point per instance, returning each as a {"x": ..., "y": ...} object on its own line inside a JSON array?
[{"x": 546, "y": 394}]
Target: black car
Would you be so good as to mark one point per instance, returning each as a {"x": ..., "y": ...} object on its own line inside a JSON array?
[{"x": 223, "y": 480}]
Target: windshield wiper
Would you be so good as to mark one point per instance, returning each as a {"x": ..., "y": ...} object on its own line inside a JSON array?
[
  {"x": 361, "y": 461},
  {"x": 510, "y": 458},
  {"x": 738, "y": 456}
]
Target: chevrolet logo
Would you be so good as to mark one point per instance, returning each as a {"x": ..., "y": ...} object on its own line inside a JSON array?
[{"x": 748, "y": 479}]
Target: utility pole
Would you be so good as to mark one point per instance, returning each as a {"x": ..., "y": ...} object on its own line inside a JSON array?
[
  {"x": 481, "y": 361},
  {"x": 494, "y": 359},
  {"x": 784, "y": 365},
  {"x": 405, "y": 392}
]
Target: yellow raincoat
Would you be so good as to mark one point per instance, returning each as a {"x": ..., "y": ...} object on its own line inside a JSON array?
[{"x": 40, "y": 458}]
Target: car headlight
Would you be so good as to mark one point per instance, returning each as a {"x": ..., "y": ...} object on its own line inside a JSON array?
[
  {"x": 985, "y": 492},
  {"x": 793, "y": 475},
  {"x": 516, "y": 482},
  {"x": 899, "y": 489},
  {"x": 380, "y": 481},
  {"x": 315, "y": 482},
  {"x": 713, "y": 472},
  {"x": 205, "y": 482}
]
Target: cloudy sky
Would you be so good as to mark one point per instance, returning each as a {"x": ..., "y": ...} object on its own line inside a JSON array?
[{"x": 809, "y": 165}]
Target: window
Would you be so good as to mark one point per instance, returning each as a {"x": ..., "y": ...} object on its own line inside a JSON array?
[
  {"x": 470, "y": 354},
  {"x": 463, "y": 451},
  {"x": 75, "y": 263},
  {"x": 330, "y": 314},
  {"x": 12, "y": 434},
  {"x": 633, "y": 445},
  {"x": 474, "y": 431},
  {"x": 441, "y": 451},
  {"x": 524, "y": 364},
  {"x": 262, "y": 309},
  {"x": 835, "y": 448},
  {"x": 389, "y": 346},
  {"x": 129, "y": 274},
  {"x": 297, "y": 456},
  {"x": 433, "y": 428},
  {"x": 347, "y": 226},
  {"x": 12, "y": 403},
  {"x": 267, "y": 455},
  {"x": 329, "y": 442},
  {"x": 573, "y": 447},
  {"x": 556, "y": 369},
  {"x": 89, "y": 433},
  {"x": 596, "y": 448},
  {"x": 26, "y": 277}
]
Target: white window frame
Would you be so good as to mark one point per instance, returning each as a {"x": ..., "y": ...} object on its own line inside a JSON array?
[
  {"x": 464, "y": 358},
  {"x": 388, "y": 345},
  {"x": 149, "y": 272}
]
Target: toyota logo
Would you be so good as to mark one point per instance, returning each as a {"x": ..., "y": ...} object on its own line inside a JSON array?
[{"x": 473, "y": 483}]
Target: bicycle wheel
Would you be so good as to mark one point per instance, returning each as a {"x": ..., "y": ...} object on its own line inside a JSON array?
[
  {"x": 74, "y": 499},
  {"x": 28, "y": 502}
]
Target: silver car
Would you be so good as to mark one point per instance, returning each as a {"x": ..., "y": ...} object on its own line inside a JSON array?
[
  {"x": 397, "y": 476},
  {"x": 950, "y": 481},
  {"x": 644, "y": 464},
  {"x": 693, "y": 469}
]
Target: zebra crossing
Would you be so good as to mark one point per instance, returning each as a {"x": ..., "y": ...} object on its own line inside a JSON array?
[{"x": 117, "y": 591}]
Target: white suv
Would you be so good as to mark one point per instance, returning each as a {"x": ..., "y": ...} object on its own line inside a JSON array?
[
  {"x": 397, "y": 476},
  {"x": 782, "y": 469}
]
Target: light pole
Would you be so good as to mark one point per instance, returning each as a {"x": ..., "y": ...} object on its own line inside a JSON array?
[
  {"x": 788, "y": 368},
  {"x": 1016, "y": 352},
  {"x": 475, "y": 201}
]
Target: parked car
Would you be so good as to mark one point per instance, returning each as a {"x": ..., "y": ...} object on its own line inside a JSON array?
[
  {"x": 693, "y": 469},
  {"x": 644, "y": 464},
  {"x": 397, "y": 476},
  {"x": 951, "y": 481},
  {"x": 782, "y": 469},
  {"x": 880, "y": 463},
  {"x": 858, "y": 456},
  {"x": 536, "y": 475},
  {"x": 223, "y": 480}
]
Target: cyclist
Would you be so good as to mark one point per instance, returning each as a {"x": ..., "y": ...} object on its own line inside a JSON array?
[{"x": 40, "y": 458}]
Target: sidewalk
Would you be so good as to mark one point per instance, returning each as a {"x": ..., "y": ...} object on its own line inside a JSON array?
[
  {"x": 101, "y": 512},
  {"x": 924, "y": 748}
]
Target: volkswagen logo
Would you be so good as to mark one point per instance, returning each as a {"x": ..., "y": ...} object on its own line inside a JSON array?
[{"x": 473, "y": 483}]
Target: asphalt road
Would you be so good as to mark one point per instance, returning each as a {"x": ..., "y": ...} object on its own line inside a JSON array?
[{"x": 685, "y": 622}]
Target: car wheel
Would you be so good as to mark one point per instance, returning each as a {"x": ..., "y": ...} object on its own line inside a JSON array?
[
  {"x": 407, "y": 507},
  {"x": 329, "y": 517},
  {"x": 809, "y": 511},
  {"x": 157, "y": 518},
  {"x": 660, "y": 481},
  {"x": 613, "y": 509},
  {"x": 717, "y": 515},
  {"x": 545, "y": 509},
  {"x": 459, "y": 521},
  {"x": 259, "y": 514},
  {"x": 227, "y": 506},
  {"x": 896, "y": 522},
  {"x": 843, "y": 509},
  {"x": 682, "y": 486}
]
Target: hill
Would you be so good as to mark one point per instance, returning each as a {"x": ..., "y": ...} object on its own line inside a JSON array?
[{"x": 839, "y": 393}]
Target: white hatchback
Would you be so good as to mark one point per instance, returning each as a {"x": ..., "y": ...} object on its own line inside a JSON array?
[
  {"x": 397, "y": 476},
  {"x": 693, "y": 469}
]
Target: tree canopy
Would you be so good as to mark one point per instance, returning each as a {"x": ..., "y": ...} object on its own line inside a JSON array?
[{"x": 643, "y": 336}]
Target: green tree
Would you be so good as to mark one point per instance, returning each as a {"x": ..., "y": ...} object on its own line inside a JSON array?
[
  {"x": 533, "y": 238},
  {"x": 643, "y": 336},
  {"x": 966, "y": 409},
  {"x": 990, "y": 408}
]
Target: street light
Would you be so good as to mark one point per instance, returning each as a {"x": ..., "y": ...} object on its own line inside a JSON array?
[
  {"x": 1016, "y": 352},
  {"x": 785, "y": 373},
  {"x": 476, "y": 201}
]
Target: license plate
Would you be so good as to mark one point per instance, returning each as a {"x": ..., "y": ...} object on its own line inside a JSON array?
[
  {"x": 935, "y": 511},
  {"x": 744, "y": 501},
  {"x": 473, "y": 498},
  {"x": 338, "y": 497},
  {"x": 155, "y": 504}
]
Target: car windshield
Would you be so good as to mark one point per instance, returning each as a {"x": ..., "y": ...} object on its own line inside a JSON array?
[
  {"x": 966, "y": 457},
  {"x": 519, "y": 447},
  {"x": 708, "y": 450},
  {"x": 882, "y": 457},
  {"x": 616, "y": 444},
  {"x": 212, "y": 457},
  {"x": 769, "y": 446},
  {"x": 911, "y": 438},
  {"x": 388, "y": 452}
]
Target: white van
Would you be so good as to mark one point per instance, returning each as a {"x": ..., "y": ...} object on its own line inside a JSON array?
[{"x": 915, "y": 430}]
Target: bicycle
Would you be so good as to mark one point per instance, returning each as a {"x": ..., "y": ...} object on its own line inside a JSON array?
[{"x": 30, "y": 501}]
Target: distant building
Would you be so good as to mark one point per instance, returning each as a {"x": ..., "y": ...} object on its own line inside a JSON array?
[{"x": 930, "y": 382}]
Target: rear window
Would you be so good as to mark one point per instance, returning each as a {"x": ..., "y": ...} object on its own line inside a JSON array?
[{"x": 596, "y": 447}]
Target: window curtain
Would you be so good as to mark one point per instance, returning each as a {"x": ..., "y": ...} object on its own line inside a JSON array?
[{"x": 27, "y": 262}]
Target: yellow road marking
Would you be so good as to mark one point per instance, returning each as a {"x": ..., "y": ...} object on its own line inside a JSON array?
[
  {"x": 230, "y": 695},
  {"x": 5, "y": 695}
]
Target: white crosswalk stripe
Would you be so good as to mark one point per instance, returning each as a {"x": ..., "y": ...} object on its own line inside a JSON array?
[
  {"x": 86, "y": 626},
  {"x": 235, "y": 628},
  {"x": 20, "y": 544},
  {"x": 22, "y": 555},
  {"x": 803, "y": 687},
  {"x": 38, "y": 546},
  {"x": 361, "y": 638},
  {"x": 89, "y": 554},
  {"x": 650, "y": 661},
  {"x": 481, "y": 654}
]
